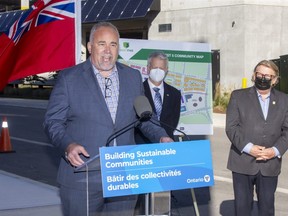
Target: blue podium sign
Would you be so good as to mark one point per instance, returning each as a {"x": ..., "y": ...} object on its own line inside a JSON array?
[{"x": 137, "y": 169}]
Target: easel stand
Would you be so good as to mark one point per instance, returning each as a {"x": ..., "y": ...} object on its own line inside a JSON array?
[{"x": 195, "y": 202}]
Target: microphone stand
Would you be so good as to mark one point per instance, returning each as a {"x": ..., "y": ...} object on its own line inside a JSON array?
[
  {"x": 123, "y": 130},
  {"x": 157, "y": 123},
  {"x": 144, "y": 117}
]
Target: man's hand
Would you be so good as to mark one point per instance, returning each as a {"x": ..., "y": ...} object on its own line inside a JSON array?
[
  {"x": 73, "y": 152},
  {"x": 256, "y": 151},
  {"x": 166, "y": 139},
  {"x": 266, "y": 154}
]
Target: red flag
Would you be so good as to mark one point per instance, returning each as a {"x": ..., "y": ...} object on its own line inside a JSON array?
[{"x": 41, "y": 40}]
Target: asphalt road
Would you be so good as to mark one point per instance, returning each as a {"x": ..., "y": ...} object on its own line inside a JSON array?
[{"x": 35, "y": 158}]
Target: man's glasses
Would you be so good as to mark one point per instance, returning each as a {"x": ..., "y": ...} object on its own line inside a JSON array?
[
  {"x": 265, "y": 76},
  {"x": 108, "y": 91}
]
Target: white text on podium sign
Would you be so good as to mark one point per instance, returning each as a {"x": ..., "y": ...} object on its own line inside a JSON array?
[{"x": 137, "y": 169}]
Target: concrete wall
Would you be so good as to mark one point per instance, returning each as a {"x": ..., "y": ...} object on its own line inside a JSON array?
[{"x": 245, "y": 31}]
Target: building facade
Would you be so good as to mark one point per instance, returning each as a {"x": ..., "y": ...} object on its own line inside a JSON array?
[{"x": 244, "y": 32}]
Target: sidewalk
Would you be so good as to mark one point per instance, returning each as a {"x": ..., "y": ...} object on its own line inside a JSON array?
[
  {"x": 24, "y": 197},
  {"x": 219, "y": 120}
]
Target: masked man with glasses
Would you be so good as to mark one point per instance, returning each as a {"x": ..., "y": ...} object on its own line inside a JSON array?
[
  {"x": 257, "y": 126},
  {"x": 89, "y": 102}
]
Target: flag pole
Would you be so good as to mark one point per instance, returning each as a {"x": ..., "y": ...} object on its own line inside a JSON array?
[{"x": 78, "y": 32}]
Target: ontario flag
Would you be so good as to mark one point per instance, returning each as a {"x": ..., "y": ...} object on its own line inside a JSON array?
[{"x": 43, "y": 39}]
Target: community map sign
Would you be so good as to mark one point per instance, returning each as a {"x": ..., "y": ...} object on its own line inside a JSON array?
[{"x": 189, "y": 71}]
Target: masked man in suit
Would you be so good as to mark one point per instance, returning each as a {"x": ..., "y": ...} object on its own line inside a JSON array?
[
  {"x": 164, "y": 98},
  {"x": 89, "y": 102},
  {"x": 257, "y": 126}
]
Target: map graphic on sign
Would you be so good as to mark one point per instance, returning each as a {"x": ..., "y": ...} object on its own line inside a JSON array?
[{"x": 189, "y": 72}]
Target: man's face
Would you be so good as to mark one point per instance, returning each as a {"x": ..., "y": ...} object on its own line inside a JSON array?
[
  {"x": 266, "y": 73},
  {"x": 104, "y": 49},
  {"x": 158, "y": 63}
]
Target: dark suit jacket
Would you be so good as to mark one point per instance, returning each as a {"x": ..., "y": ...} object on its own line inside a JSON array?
[
  {"x": 170, "y": 113},
  {"x": 77, "y": 112},
  {"x": 245, "y": 123}
]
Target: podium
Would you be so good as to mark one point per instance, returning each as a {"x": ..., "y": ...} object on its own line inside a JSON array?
[
  {"x": 151, "y": 169},
  {"x": 93, "y": 164}
]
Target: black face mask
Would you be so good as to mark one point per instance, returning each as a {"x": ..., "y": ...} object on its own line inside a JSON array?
[{"x": 262, "y": 84}]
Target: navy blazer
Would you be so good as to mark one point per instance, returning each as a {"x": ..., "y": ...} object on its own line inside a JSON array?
[
  {"x": 77, "y": 112},
  {"x": 245, "y": 123}
]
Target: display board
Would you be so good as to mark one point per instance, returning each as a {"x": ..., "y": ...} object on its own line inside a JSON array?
[{"x": 189, "y": 71}]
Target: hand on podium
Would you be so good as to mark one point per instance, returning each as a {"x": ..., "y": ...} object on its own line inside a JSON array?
[
  {"x": 73, "y": 152},
  {"x": 166, "y": 139}
]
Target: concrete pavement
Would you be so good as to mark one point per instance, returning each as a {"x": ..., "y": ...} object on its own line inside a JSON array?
[{"x": 21, "y": 196}]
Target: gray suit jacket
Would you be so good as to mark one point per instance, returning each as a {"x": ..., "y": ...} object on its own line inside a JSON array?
[
  {"x": 77, "y": 112},
  {"x": 245, "y": 123}
]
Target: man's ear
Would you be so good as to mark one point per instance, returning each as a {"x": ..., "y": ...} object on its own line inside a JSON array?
[
  {"x": 89, "y": 47},
  {"x": 148, "y": 69},
  {"x": 253, "y": 77},
  {"x": 275, "y": 81}
]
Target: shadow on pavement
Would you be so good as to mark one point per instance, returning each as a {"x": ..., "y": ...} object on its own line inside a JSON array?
[{"x": 227, "y": 208}]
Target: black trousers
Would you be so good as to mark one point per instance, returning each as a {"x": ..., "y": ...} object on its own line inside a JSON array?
[
  {"x": 74, "y": 203},
  {"x": 244, "y": 185}
]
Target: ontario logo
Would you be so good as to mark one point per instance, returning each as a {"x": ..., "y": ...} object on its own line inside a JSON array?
[{"x": 206, "y": 178}]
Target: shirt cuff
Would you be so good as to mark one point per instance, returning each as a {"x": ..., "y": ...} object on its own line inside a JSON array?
[
  {"x": 277, "y": 153},
  {"x": 247, "y": 148}
]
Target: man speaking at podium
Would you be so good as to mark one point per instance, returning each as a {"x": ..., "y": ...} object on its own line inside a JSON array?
[{"x": 89, "y": 102}]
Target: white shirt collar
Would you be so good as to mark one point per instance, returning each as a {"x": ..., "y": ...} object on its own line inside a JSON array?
[{"x": 161, "y": 86}]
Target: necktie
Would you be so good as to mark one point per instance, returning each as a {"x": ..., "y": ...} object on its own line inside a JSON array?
[{"x": 157, "y": 102}]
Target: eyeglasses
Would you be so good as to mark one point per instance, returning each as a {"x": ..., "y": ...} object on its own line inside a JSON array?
[
  {"x": 108, "y": 91},
  {"x": 265, "y": 76}
]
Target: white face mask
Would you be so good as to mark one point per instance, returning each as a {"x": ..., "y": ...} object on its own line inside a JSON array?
[{"x": 157, "y": 74}]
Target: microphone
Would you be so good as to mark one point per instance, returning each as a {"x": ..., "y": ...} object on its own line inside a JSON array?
[
  {"x": 143, "y": 110},
  {"x": 143, "y": 107},
  {"x": 169, "y": 126}
]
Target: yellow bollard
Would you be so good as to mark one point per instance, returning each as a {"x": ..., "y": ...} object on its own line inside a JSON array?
[{"x": 244, "y": 82}]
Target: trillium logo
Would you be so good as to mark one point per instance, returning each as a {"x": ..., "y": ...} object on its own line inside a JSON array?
[
  {"x": 206, "y": 178},
  {"x": 125, "y": 45}
]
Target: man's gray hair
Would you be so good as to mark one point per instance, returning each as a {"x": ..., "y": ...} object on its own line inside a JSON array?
[
  {"x": 157, "y": 54},
  {"x": 99, "y": 25}
]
